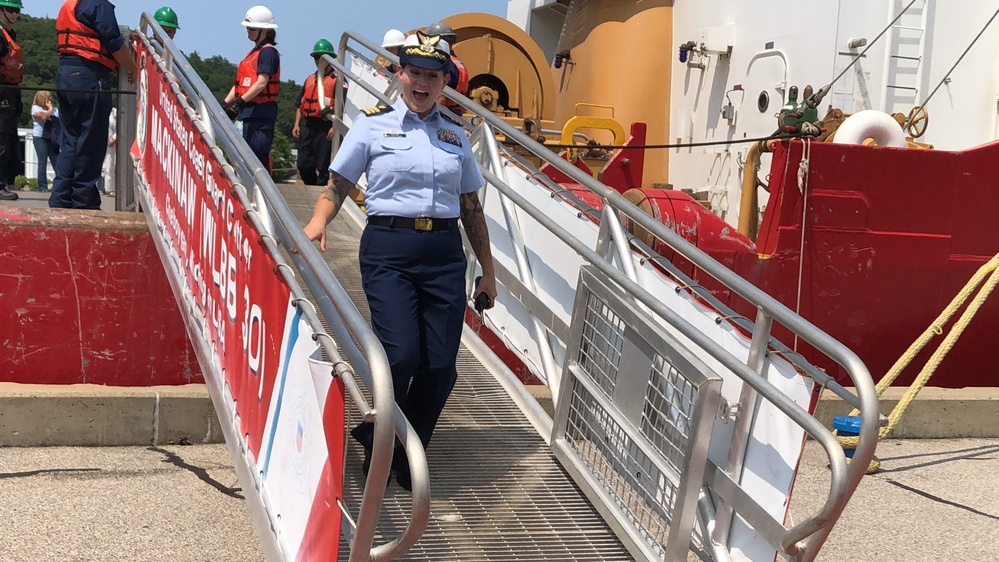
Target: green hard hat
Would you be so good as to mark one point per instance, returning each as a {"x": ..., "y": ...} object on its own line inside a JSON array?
[
  {"x": 322, "y": 47},
  {"x": 12, "y": 4},
  {"x": 165, "y": 16}
]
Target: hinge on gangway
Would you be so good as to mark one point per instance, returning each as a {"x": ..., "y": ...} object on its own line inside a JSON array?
[{"x": 729, "y": 412}]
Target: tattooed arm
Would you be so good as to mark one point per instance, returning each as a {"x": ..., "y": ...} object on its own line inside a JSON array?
[
  {"x": 327, "y": 207},
  {"x": 474, "y": 220}
]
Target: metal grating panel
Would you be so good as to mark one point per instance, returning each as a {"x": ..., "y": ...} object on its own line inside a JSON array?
[
  {"x": 641, "y": 490},
  {"x": 669, "y": 405},
  {"x": 497, "y": 492},
  {"x": 640, "y": 450},
  {"x": 603, "y": 338}
]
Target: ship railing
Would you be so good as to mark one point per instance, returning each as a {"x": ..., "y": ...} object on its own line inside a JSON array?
[
  {"x": 352, "y": 346},
  {"x": 701, "y": 489}
]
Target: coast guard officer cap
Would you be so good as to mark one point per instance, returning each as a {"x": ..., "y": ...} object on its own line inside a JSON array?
[{"x": 425, "y": 51}]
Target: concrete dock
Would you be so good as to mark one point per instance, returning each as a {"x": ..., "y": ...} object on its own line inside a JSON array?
[{"x": 933, "y": 500}]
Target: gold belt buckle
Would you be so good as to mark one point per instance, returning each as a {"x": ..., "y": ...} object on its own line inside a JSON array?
[{"x": 425, "y": 224}]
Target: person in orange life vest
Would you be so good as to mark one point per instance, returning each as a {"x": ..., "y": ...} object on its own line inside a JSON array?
[
  {"x": 458, "y": 74},
  {"x": 313, "y": 131},
  {"x": 253, "y": 97},
  {"x": 11, "y": 73},
  {"x": 90, "y": 47}
]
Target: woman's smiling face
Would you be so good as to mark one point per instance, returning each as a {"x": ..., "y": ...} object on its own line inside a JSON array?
[{"x": 421, "y": 87}]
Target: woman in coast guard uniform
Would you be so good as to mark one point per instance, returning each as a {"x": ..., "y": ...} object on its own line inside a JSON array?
[{"x": 422, "y": 177}]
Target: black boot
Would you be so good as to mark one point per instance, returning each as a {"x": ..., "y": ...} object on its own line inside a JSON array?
[
  {"x": 6, "y": 194},
  {"x": 404, "y": 479},
  {"x": 362, "y": 439},
  {"x": 401, "y": 466}
]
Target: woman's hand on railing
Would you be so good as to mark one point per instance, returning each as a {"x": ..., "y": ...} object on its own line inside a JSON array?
[{"x": 316, "y": 230}]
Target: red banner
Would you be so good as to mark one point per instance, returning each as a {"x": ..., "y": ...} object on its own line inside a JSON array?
[
  {"x": 228, "y": 277},
  {"x": 275, "y": 392}
]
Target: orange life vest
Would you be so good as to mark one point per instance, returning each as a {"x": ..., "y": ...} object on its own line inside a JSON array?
[
  {"x": 74, "y": 38},
  {"x": 12, "y": 69},
  {"x": 310, "y": 95},
  {"x": 246, "y": 76},
  {"x": 461, "y": 88}
]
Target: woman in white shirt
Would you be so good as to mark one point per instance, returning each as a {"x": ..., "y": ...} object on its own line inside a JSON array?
[{"x": 45, "y": 148}]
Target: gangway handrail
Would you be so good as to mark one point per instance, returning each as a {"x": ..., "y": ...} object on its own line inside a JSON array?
[
  {"x": 804, "y": 539},
  {"x": 362, "y": 348},
  {"x": 776, "y": 346}
]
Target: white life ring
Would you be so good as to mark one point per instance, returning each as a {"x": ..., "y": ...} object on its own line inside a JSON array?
[{"x": 870, "y": 124}]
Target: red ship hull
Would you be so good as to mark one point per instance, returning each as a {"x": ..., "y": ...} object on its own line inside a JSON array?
[{"x": 891, "y": 236}]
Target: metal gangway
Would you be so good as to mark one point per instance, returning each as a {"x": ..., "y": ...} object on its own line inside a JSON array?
[{"x": 654, "y": 446}]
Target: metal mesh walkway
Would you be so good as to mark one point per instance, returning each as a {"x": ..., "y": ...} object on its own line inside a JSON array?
[{"x": 497, "y": 492}]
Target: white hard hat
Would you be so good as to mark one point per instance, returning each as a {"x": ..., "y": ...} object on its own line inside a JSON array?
[
  {"x": 393, "y": 38},
  {"x": 259, "y": 17}
]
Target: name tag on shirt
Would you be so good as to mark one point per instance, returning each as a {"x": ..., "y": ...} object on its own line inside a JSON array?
[
  {"x": 394, "y": 135},
  {"x": 448, "y": 136}
]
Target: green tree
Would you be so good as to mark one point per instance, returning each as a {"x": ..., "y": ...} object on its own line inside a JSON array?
[
  {"x": 37, "y": 38},
  {"x": 216, "y": 71},
  {"x": 287, "y": 96},
  {"x": 284, "y": 162}
]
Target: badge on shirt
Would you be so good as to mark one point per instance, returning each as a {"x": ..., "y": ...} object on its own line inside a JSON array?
[
  {"x": 246, "y": 82},
  {"x": 393, "y": 134},
  {"x": 448, "y": 136}
]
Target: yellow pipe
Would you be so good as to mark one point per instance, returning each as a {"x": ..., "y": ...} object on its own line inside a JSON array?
[{"x": 749, "y": 220}]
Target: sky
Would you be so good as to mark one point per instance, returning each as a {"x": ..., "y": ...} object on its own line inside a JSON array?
[{"x": 212, "y": 27}]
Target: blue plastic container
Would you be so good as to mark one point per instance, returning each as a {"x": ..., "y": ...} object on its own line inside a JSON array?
[{"x": 847, "y": 426}]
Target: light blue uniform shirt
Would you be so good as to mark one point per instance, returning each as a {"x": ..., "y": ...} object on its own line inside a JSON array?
[{"x": 415, "y": 167}]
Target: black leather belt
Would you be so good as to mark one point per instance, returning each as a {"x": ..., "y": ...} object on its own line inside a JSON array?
[{"x": 424, "y": 224}]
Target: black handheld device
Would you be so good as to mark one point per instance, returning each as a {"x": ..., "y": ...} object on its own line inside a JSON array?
[{"x": 482, "y": 300}]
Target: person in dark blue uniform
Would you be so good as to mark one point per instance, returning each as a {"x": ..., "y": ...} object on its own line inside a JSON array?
[
  {"x": 421, "y": 177},
  {"x": 253, "y": 98},
  {"x": 90, "y": 48},
  {"x": 11, "y": 74}
]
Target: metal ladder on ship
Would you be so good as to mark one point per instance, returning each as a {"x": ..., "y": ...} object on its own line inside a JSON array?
[{"x": 904, "y": 57}]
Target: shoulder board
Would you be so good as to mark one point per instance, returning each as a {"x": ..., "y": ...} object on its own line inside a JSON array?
[
  {"x": 377, "y": 110},
  {"x": 453, "y": 120}
]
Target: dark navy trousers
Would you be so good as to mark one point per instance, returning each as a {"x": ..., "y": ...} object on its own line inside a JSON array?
[
  {"x": 415, "y": 284},
  {"x": 84, "y": 115},
  {"x": 314, "y": 151},
  {"x": 259, "y": 134}
]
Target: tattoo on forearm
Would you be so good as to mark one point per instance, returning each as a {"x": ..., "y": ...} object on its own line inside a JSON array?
[
  {"x": 337, "y": 192},
  {"x": 474, "y": 220}
]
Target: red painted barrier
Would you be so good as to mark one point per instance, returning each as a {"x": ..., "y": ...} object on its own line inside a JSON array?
[
  {"x": 891, "y": 236},
  {"x": 84, "y": 299}
]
